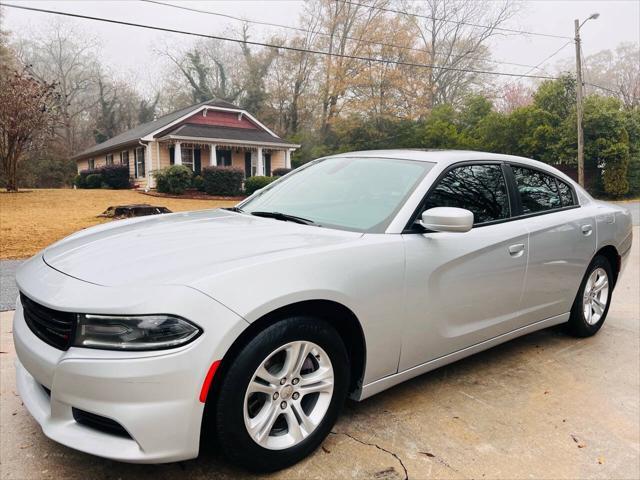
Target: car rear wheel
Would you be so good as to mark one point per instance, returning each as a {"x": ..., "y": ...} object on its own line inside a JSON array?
[
  {"x": 591, "y": 305},
  {"x": 282, "y": 394}
]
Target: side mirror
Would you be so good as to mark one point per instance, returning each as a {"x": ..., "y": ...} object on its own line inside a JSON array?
[{"x": 447, "y": 219}]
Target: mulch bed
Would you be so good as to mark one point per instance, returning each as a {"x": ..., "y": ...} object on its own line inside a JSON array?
[{"x": 191, "y": 195}]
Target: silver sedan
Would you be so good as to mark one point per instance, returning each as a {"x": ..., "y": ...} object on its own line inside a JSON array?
[{"x": 343, "y": 278}]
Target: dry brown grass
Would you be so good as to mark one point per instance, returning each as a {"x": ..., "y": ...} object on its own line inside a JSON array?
[{"x": 31, "y": 220}]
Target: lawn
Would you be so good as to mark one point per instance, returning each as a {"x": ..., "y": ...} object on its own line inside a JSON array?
[{"x": 31, "y": 220}]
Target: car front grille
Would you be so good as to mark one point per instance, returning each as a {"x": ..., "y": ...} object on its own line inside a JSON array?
[{"x": 51, "y": 326}]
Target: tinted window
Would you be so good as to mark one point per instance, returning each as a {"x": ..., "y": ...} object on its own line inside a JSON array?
[
  {"x": 478, "y": 188},
  {"x": 566, "y": 195},
  {"x": 538, "y": 191}
]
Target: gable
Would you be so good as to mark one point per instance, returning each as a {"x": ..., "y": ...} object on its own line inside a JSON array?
[{"x": 220, "y": 119}]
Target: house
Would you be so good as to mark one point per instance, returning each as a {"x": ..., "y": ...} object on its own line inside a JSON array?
[{"x": 214, "y": 133}]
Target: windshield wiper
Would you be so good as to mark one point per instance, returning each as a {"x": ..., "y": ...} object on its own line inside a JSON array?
[
  {"x": 233, "y": 209},
  {"x": 284, "y": 217}
]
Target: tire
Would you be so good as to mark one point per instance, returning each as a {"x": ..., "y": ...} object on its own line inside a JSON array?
[
  {"x": 240, "y": 405},
  {"x": 585, "y": 321}
]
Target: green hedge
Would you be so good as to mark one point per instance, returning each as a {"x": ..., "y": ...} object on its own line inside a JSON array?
[
  {"x": 93, "y": 180},
  {"x": 252, "y": 184},
  {"x": 115, "y": 176},
  {"x": 198, "y": 183},
  {"x": 223, "y": 181},
  {"x": 111, "y": 176},
  {"x": 174, "y": 179}
]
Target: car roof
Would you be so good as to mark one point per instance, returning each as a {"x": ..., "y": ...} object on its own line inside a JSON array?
[{"x": 444, "y": 157}]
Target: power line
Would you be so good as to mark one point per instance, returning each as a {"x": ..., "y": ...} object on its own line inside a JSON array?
[
  {"x": 446, "y": 20},
  {"x": 303, "y": 30},
  {"x": 278, "y": 47},
  {"x": 544, "y": 61}
]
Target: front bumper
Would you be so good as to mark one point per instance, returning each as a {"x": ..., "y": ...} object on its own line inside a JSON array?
[{"x": 154, "y": 396}]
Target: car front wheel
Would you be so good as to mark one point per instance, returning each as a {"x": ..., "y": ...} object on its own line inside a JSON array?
[{"x": 282, "y": 394}]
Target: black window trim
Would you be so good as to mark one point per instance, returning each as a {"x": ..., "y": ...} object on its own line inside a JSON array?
[{"x": 515, "y": 203}]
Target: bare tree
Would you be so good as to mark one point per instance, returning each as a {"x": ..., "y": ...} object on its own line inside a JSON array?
[
  {"x": 66, "y": 57},
  {"x": 345, "y": 28},
  {"x": 28, "y": 110},
  {"x": 453, "y": 33},
  {"x": 292, "y": 91},
  {"x": 617, "y": 71}
]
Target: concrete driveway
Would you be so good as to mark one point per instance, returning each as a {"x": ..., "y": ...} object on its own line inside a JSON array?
[{"x": 542, "y": 406}]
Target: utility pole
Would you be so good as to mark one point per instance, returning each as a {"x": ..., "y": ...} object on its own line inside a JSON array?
[
  {"x": 579, "y": 106},
  {"x": 578, "y": 25}
]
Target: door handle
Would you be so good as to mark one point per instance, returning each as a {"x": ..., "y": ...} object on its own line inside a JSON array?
[
  {"x": 516, "y": 250},
  {"x": 586, "y": 230}
]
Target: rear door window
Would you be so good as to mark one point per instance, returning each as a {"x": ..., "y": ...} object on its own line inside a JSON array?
[
  {"x": 538, "y": 191},
  {"x": 566, "y": 194}
]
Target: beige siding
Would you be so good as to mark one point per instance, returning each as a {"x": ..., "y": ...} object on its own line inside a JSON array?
[
  {"x": 237, "y": 159},
  {"x": 277, "y": 159},
  {"x": 165, "y": 159}
]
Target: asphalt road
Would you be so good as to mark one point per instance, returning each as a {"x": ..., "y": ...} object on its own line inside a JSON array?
[
  {"x": 543, "y": 406},
  {"x": 8, "y": 289}
]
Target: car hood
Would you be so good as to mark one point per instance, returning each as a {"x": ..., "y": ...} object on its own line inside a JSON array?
[{"x": 182, "y": 248}]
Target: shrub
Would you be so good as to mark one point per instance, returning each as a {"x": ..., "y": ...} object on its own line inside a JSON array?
[
  {"x": 224, "y": 181},
  {"x": 80, "y": 181},
  {"x": 115, "y": 176},
  {"x": 252, "y": 184},
  {"x": 174, "y": 179},
  {"x": 198, "y": 183},
  {"x": 93, "y": 180},
  {"x": 281, "y": 172}
]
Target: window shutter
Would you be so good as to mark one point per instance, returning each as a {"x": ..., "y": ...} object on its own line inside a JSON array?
[
  {"x": 172, "y": 153},
  {"x": 197, "y": 166}
]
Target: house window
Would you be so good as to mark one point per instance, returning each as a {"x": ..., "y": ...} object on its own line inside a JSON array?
[
  {"x": 187, "y": 157},
  {"x": 91, "y": 164},
  {"x": 223, "y": 157},
  {"x": 110, "y": 159},
  {"x": 139, "y": 162},
  {"x": 124, "y": 157}
]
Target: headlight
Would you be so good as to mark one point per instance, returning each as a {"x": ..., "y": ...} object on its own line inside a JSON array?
[{"x": 143, "y": 332}]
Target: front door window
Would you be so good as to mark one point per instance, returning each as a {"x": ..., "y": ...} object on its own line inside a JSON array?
[{"x": 479, "y": 188}]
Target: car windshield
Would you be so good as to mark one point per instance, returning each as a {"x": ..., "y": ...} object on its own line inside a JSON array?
[{"x": 351, "y": 193}]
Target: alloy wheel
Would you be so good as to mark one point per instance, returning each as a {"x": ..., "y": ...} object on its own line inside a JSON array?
[
  {"x": 595, "y": 296},
  {"x": 288, "y": 395}
]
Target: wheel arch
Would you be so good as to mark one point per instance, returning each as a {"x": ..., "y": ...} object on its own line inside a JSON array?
[
  {"x": 339, "y": 316},
  {"x": 611, "y": 254}
]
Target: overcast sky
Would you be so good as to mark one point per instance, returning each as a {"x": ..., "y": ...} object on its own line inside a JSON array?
[{"x": 129, "y": 51}]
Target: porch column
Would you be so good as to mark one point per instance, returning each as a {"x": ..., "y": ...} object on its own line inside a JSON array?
[
  {"x": 213, "y": 159},
  {"x": 177, "y": 154},
  {"x": 260, "y": 164},
  {"x": 148, "y": 166},
  {"x": 287, "y": 159}
]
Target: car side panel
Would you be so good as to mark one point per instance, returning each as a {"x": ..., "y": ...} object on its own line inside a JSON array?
[
  {"x": 561, "y": 245},
  {"x": 462, "y": 289}
]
